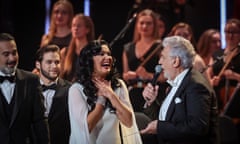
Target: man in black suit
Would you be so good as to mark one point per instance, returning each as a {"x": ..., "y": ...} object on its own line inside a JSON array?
[
  {"x": 189, "y": 113},
  {"x": 21, "y": 107},
  {"x": 55, "y": 91}
]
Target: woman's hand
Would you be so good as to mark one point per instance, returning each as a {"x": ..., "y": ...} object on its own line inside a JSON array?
[
  {"x": 129, "y": 75},
  {"x": 143, "y": 73},
  {"x": 104, "y": 88},
  {"x": 215, "y": 80},
  {"x": 123, "y": 113},
  {"x": 231, "y": 75}
]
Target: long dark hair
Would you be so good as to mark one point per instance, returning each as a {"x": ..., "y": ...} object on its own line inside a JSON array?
[{"x": 85, "y": 70}]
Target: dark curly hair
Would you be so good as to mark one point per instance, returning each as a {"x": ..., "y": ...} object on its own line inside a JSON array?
[{"x": 85, "y": 70}]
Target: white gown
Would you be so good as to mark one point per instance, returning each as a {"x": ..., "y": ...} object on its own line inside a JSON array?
[{"x": 107, "y": 129}]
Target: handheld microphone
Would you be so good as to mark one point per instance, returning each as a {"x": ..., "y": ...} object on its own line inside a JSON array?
[{"x": 158, "y": 70}]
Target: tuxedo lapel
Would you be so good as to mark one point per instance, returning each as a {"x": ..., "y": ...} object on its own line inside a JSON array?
[
  {"x": 60, "y": 92},
  {"x": 54, "y": 105},
  {"x": 2, "y": 114},
  {"x": 179, "y": 93},
  {"x": 172, "y": 105},
  {"x": 20, "y": 89}
]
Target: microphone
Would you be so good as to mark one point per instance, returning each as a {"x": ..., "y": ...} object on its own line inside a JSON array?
[{"x": 158, "y": 70}]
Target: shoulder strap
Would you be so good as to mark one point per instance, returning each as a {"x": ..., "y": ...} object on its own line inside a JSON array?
[
  {"x": 151, "y": 52},
  {"x": 153, "y": 47}
]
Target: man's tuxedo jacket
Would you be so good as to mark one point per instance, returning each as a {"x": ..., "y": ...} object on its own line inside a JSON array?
[
  {"x": 192, "y": 116},
  {"x": 58, "y": 118},
  {"x": 26, "y": 112}
]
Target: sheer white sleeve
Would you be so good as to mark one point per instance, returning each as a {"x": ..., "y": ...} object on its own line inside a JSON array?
[
  {"x": 78, "y": 111},
  {"x": 130, "y": 135}
]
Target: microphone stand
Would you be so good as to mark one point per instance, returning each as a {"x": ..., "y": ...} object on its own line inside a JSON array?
[{"x": 123, "y": 31}]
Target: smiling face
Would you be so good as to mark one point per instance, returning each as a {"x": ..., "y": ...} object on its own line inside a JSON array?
[
  {"x": 49, "y": 66},
  {"x": 8, "y": 56},
  {"x": 102, "y": 62}
]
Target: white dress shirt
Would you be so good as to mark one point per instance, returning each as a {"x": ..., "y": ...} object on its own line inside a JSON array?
[
  {"x": 167, "y": 101},
  {"x": 7, "y": 88},
  {"x": 48, "y": 98}
]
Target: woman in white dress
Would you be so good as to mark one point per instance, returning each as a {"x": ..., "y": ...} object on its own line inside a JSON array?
[{"x": 99, "y": 105}]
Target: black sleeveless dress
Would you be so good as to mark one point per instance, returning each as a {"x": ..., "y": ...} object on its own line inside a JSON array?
[{"x": 136, "y": 86}]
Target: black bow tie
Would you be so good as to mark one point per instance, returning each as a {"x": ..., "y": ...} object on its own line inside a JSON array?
[
  {"x": 9, "y": 78},
  {"x": 52, "y": 87},
  {"x": 168, "y": 89}
]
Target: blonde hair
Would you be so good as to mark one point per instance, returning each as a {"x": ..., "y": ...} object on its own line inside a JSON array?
[
  {"x": 147, "y": 12},
  {"x": 52, "y": 29},
  {"x": 204, "y": 42}
]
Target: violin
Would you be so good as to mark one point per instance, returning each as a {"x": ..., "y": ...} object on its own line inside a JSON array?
[{"x": 227, "y": 91}]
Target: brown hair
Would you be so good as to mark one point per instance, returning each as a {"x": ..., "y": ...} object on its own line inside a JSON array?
[
  {"x": 205, "y": 41},
  {"x": 188, "y": 27},
  {"x": 71, "y": 56}
]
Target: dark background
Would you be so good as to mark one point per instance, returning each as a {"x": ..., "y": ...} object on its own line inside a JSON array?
[{"x": 25, "y": 21}]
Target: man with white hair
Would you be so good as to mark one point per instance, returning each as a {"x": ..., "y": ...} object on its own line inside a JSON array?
[{"x": 189, "y": 113}]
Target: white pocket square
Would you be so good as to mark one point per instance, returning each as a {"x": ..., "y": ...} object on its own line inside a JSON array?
[{"x": 177, "y": 100}]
